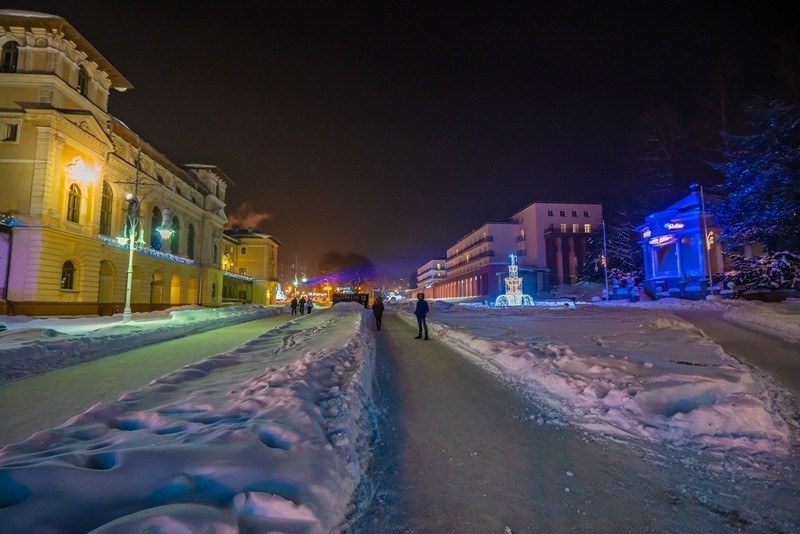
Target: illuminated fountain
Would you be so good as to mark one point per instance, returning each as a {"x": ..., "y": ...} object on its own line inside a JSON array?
[{"x": 514, "y": 295}]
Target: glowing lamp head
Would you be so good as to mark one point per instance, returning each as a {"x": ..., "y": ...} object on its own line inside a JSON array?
[
  {"x": 122, "y": 240},
  {"x": 165, "y": 233},
  {"x": 82, "y": 173}
]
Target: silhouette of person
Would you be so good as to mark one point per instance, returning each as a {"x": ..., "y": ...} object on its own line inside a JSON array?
[
  {"x": 421, "y": 311},
  {"x": 309, "y": 305},
  {"x": 294, "y": 306},
  {"x": 302, "y": 305},
  {"x": 377, "y": 311}
]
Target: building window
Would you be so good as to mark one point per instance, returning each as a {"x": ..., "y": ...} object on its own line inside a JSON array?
[
  {"x": 190, "y": 242},
  {"x": 574, "y": 228},
  {"x": 214, "y": 290},
  {"x": 74, "y": 204},
  {"x": 550, "y": 213},
  {"x": 244, "y": 251},
  {"x": 585, "y": 213},
  {"x": 574, "y": 213},
  {"x": 8, "y": 62},
  {"x": 155, "y": 222},
  {"x": 243, "y": 271},
  {"x": 67, "y": 275},
  {"x": 562, "y": 213},
  {"x": 105, "y": 209},
  {"x": 83, "y": 81},
  {"x": 175, "y": 240},
  {"x": 587, "y": 228},
  {"x": 563, "y": 228},
  {"x": 8, "y": 132}
]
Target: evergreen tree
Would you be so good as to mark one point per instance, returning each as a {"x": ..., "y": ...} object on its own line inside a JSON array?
[{"x": 762, "y": 179}]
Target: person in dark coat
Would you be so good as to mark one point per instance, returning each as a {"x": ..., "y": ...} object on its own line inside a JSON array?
[
  {"x": 294, "y": 306},
  {"x": 302, "y": 305},
  {"x": 421, "y": 311},
  {"x": 377, "y": 311},
  {"x": 309, "y": 305}
]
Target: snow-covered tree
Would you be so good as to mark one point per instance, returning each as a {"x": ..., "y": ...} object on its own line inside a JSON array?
[
  {"x": 761, "y": 193},
  {"x": 780, "y": 270}
]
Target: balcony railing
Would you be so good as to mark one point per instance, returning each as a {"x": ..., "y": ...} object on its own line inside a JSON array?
[{"x": 485, "y": 239}]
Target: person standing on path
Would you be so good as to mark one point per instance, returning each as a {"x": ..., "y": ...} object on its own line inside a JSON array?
[
  {"x": 309, "y": 305},
  {"x": 294, "y": 306},
  {"x": 302, "y": 305},
  {"x": 377, "y": 311},
  {"x": 421, "y": 311}
]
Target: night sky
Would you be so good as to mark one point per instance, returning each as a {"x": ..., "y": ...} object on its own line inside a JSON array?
[{"x": 393, "y": 130}]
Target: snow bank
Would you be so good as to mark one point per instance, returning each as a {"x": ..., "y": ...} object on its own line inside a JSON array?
[
  {"x": 33, "y": 346},
  {"x": 269, "y": 437},
  {"x": 626, "y": 370}
]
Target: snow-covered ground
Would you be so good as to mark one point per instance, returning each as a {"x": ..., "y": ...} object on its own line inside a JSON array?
[{"x": 273, "y": 435}]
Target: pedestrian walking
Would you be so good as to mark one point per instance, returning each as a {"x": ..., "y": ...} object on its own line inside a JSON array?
[
  {"x": 421, "y": 311},
  {"x": 302, "y": 305},
  {"x": 377, "y": 311},
  {"x": 309, "y": 305},
  {"x": 294, "y": 306}
]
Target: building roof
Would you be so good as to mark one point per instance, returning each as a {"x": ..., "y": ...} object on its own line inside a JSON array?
[
  {"x": 238, "y": 233},
  {"x": 32, "y": 19}
]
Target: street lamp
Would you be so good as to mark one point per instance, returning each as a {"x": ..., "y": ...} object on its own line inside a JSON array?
[
  {"x": 130, "y": 237},
  {"x": 133, "y": 208}
]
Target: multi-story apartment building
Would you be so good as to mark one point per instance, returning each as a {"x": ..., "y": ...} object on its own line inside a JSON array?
[
  {"x": 68, "y": 169},
  {"x": 553, "y": 235},
  {"x": 431, "y": 273},
  {"x": 548, "y": 238},
  {"x": 250, "y": 266}
]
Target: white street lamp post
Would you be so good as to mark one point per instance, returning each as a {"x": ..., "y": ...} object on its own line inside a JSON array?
[{"x": 133, "y": 209}]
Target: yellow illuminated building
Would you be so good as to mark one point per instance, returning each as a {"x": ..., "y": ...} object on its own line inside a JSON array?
[
  {"x": 67, "y": 169},
  {"x": 250, "y": 265}
]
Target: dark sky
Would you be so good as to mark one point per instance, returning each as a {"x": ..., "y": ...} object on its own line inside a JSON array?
[{"x": 393, "y": 130}]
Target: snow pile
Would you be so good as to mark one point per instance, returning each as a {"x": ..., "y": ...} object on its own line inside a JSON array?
[
  {"x": 33, "y": 346},
  {"x": 625, "y": 370},
  {"x": 781, "y": 318},
  {"x": 268, "y": 437}
]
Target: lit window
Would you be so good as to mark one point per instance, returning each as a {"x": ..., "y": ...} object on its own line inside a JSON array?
[
  {"x": 67, "y": 275},
  {"x": 243, "y": 271},
  {"x": 105, "y": 209},
  {"x": 83, "y": 81},
  {"x": 563, "y": 228},
  {"x": 74, "y": 204},
  {"x": 587, "y": 228},
  {"x": 10, "y": 55}
]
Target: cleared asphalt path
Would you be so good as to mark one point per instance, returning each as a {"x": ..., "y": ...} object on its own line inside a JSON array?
[
  {"x": 459, "y": 452},
  {"x": 48, "y": 400}
]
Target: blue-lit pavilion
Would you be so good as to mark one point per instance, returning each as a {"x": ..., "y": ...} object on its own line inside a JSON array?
[{"x": 681, "y": 248}]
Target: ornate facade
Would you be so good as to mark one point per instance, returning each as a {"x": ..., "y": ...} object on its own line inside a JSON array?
[{"x": 68, "y": 169}]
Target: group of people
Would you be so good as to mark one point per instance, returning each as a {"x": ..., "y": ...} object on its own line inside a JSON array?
[
  {"x": 421, "y": 311},
  {"x": 303, "y": 304}
]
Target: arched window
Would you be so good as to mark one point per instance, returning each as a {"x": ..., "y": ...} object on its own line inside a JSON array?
[
  {"x": 155, "y": 222},
  {"x": 67, "y": 275},
  {"x": 8, "y": 61},
  {"x": 190, "y": 242},
  {"x": 83, "y": 81},
  {"x": 74, "y": 204},
  {"x": 105, "y": 209},
  {"x": 175, "y": 240}
]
